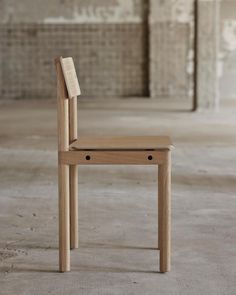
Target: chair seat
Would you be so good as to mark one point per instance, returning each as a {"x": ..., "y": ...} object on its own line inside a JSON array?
[{"x": 122, "y": 143}]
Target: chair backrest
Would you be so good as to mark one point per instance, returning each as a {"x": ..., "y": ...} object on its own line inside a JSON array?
[
  {"x": 71, "y": 80},
  {"x": 67, "y": 91}
]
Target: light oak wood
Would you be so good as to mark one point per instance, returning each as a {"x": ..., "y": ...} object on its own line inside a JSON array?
[
  {"x": 70, "y": 76},
  {"x": 63, "y": 173},
  {"x": 62, "y": 111},
  {"x": 112, "y": 157},
  {"x": 64, "y": 218},
  {"x": 122, "y": 143},
  {"x": 73, "y": 119},
  {"x": 74, "y": 227},
  {"x": 164, "y": 213},
  {"x": 74, "y": 214},
  {"x": 135, "y": 150}
]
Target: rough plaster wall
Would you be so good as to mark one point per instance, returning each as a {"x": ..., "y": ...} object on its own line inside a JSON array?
[
  {"x": 207, "y": 54},
  {"x": 106, "y": 38},
  {"x": 67, "y": 11},
  {"x": 171, "y": 48},
  {"x": 228, "y": 49}
]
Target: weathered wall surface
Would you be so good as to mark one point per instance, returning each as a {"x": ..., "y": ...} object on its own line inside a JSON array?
[
  {"x": 107, "y": 39},
  {"x": 228, "y": 49},
  {"x": 171, "y": 48},
  {"x": 116, "y": 50},
  {"x": 71, "y": 11},
  {"x": 207, "y": 53}
]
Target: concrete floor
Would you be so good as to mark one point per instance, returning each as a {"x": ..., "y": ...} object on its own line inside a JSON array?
[{"x": 117, "y": 204}]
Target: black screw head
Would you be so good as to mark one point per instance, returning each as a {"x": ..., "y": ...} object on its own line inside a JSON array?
[
  {"x": 87, "y": 158},
  {"x": 150, "y": 157}
]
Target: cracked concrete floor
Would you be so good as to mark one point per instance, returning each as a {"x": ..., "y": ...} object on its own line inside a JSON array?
[{"x": 117, "y": 204}]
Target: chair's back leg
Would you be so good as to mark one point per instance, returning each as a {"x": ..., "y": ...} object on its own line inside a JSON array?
[
  {"x": 74, "y": 236},
  {"x": 64, "y": 218},
  {"x": 164, "y": 212},
  {"x": 63, "y": 173}
]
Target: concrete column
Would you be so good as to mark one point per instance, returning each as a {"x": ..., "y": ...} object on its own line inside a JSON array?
[
  {"x": 207, "y": 32},
  {"x": 171, "y": 49},
  {"x": 159, "y": 13}
]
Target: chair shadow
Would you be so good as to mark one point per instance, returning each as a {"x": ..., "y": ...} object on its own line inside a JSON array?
[
  {"x": 31, "y": 246},
  {"x": 93, "y": 268},
  {"x": 22, "y": 270},
  {"x": 113, "y": 246},
  {"x": 81, "y": 268},
  {"x": 84, "y": 245}
]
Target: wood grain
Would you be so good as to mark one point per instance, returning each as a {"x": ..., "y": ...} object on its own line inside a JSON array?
[
  {"x": 122, "y": 143},
  {"x": 123, "y": 150},
  {"x": 70, "y": 76},
  {"x": 164, "y": 213},
  {"x": 62, "y": 112},
  {"x": 63, "y": 173},
  {"x": 112, "y": 157},
  {"x": 74, "y": 227},
  {"x": 74, "y": 214},
  {"x": 64, "y": 218}
]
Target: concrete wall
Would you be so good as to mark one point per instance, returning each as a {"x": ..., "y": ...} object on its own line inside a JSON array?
[
  {"x": 116, "y": 50},
  {"x": 106, "y": 38},
  {"x": 228, "y": 49},
  {"x": 171, "y": 48},
  {"x": 109, "y": 40}
]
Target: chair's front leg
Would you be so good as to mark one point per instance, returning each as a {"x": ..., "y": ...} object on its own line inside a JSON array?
[
  {"x": 64, "y": 217},
  {"x": 164, "y": 212},
  {"x": 74, "y": 239}
]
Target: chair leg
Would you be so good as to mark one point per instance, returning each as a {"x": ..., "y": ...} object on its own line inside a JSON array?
[
  {"x": 164, "y": 213},
  {"x": 64, "y": 218},
  {"x": 74, "y": 237}
]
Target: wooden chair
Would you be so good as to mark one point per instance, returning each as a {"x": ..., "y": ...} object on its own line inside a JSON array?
[{"x": 136, "y": 150}]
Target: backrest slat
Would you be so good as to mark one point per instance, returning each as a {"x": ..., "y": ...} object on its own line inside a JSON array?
[{"x": 70, "y": 76}]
